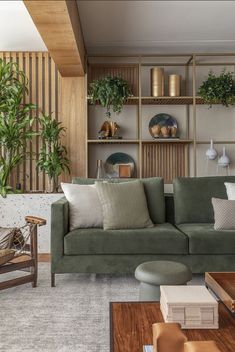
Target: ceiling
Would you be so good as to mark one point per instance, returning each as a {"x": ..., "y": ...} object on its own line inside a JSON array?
[
  {"x": 132, "y": 27},
  {"x": 17, "y": 30},
  {"x": 157, "y": 26}
]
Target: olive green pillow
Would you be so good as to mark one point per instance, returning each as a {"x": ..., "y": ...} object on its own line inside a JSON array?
[{"x": 124, "y": 205}]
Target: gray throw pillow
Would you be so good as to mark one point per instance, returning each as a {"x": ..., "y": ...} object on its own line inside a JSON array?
[
  {"x": 224, "y": 214},
  {"x": 124, "y": 205}
]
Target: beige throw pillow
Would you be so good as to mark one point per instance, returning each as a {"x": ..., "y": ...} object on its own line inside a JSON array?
[
  {"x": 124, "y": 205},
  {"x": 230, "y": 188},
  {"x": 224, "y": 214},
  {"x": 85, "y": 210}
]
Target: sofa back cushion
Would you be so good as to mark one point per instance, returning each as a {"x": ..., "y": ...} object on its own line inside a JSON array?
[
  {"x": 154, "y": 191},
  {"x": 193, "y": 196}
]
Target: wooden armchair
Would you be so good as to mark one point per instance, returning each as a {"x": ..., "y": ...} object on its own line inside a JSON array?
[{"x": 27, "y": 260}]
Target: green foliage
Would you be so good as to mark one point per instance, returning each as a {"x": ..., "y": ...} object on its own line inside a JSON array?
[
  {"x": 52, "y": 157},
  {"x": 109, "y": 92},
  {"x": 15, "y": 121},
  {"x": 218, "y": 89}
]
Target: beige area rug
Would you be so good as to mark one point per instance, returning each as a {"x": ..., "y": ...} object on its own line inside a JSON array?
[{"x": 72, "y": 317}]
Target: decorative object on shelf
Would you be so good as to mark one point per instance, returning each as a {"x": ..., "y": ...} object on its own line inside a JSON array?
[
  {"x": 174, "y": 85},
  {"x": 110, "y": 92},
  {"x": 100, "y": 172},
  {"x": 113, "y": 128},
  {"x": 114, "y": 161},
  {"x": 16, "y": 121},
  {"x": 223, "y": 164},
  {"x": 163, "y": 125},
  {"x": 218, "y": 89},
  {"x": 104, "y": 132},
  {"x": 109, "y": 130},
  {"x": 211, "y": 153},
  {"x": 124, "y": 170},
  {"x": 53, "y": 155},
  {"x": 224, "y": 160},
  {"x": 157, "y": 82}
]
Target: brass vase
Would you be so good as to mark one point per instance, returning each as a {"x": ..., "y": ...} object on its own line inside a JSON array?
[
  {"x": 174, "y": 85},
  {"x": 157, "y": 82}
]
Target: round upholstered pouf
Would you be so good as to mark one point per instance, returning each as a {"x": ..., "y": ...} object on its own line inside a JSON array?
[{"x": 153, "y": 274}]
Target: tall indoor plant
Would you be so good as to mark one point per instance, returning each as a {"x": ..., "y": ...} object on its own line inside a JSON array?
[
  {"x": 16, "y": 121},
  {"x": 110, "y": 92},
  {"x": 53, "y": 155}
]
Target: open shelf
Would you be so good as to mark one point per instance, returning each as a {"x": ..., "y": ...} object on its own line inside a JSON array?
[
  {"x": 112, "y": 141},
  {"x": 186, "y": 100},
  {"x": 182, "y": 100},
  {"x": 168, "y": 140}
]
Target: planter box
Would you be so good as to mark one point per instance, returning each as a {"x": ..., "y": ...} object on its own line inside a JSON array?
[{"x": 15, "y": 207}]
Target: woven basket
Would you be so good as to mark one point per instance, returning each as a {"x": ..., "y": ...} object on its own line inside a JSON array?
[{"x": 6, "y": 255}]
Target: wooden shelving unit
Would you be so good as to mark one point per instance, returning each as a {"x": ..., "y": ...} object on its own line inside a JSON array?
[{"x": 161, "y": 157}]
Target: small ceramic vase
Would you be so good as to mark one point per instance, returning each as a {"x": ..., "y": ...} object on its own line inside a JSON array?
[
  {"x": 155, "y": 131},
  {"x": 211, "y": 153},
  {"x": 173, "y": 131},
  {"x": 165, "y": 131},
  {"x": 224, "y": 160}
]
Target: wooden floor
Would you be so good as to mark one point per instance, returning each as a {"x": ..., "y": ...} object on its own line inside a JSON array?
[{"x": 131, "y": 327}]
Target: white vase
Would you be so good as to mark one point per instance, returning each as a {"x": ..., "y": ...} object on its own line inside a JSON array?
[
  {"x": 224, "y": 160},
  {"x": 211, "y": 153}
]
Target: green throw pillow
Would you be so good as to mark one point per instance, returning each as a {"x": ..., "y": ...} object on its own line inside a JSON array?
[{"x": 124, "y": 205}]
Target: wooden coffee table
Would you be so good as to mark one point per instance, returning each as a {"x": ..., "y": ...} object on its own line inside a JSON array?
[{"x": 131, "y": 327}]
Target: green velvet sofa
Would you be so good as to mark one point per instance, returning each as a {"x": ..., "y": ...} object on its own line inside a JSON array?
[{"x": 183, "y": 232}]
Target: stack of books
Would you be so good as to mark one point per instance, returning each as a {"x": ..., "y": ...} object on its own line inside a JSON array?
[{"x": 191, "y": 306}]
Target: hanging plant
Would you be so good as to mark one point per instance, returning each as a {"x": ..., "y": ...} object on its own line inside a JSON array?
[
  {"x": 110, "y": 93},
  {"x": 218, "y": 89},
  {"x": 53, "y": 155}
]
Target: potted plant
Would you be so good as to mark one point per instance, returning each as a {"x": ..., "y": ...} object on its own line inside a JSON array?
[
  {"x": 218, "y": 89},
  {"x": 15, "y": 121},
  {"x": 110, "y": 93},
  {"x": 53, "y": 155}
]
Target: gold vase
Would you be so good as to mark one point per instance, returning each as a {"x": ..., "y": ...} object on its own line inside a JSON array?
[
  {"x": 157, "y": 82},
  {"x": 174, "y": 85}
]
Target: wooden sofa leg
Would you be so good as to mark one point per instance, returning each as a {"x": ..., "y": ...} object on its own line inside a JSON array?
[{"x": 52, "y": 279}]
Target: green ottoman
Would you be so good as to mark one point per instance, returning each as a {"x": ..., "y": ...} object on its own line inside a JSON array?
[{"x": 153, "y": 274}]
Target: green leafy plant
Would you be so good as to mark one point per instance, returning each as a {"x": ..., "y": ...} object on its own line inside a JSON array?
[
  {"x": 110, "y": 92},
  {"x": 218, "y": 89},
  {"x": 53, "y": 155},
  {"x": 15, "y": 121}
]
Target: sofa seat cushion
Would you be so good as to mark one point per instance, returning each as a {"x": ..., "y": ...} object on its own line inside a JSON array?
[
  {"x": 160, "y": 239},
  {"x": 203, "y": 239}
]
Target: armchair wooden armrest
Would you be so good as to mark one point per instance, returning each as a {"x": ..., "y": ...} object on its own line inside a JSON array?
[{"x": 35, "y": 220}]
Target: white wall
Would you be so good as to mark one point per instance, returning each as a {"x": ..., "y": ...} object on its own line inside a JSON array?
[{"x": 17, "y": 30}]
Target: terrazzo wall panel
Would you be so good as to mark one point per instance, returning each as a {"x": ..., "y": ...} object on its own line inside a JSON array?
[{"x": 15, "y": 207}]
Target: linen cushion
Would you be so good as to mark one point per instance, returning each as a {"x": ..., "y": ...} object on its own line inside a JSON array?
[
  {"x": 154, "y": 191},
  {"x": 160, "y": 239},
  {"x": 124, "y": 205},
  {"x": 224, "y": 214},
  {"x": 230, "y": 188},
  {"x": 193, "y": 195},
  {"x": 85, "y": 209},
  {"x": 204, "y": 239}
]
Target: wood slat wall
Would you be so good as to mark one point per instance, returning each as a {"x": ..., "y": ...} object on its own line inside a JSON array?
[
  {"x": 44, "y": 84},
  {"x": 167, "y": 160},
  {"x": 130, "y": 73}
]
